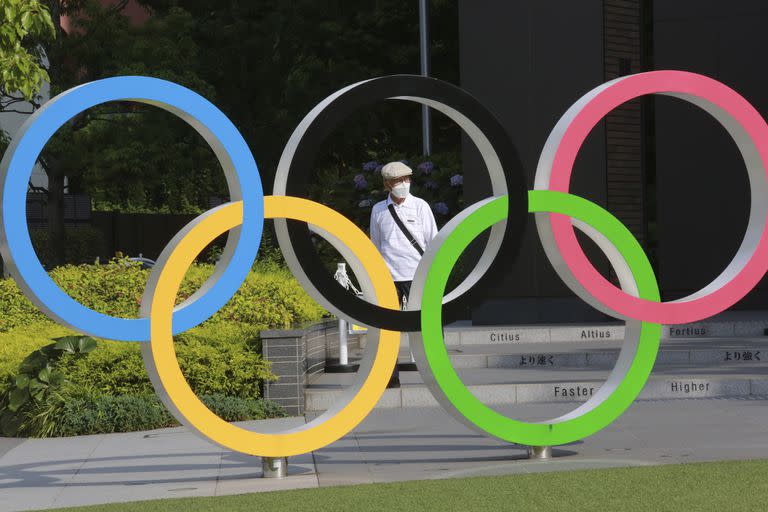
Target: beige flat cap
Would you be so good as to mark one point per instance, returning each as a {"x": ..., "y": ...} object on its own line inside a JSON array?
[{"x": 395, "y": 170}]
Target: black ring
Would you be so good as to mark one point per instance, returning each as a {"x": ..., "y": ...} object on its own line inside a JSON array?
[{"x": 332, "y": 112}]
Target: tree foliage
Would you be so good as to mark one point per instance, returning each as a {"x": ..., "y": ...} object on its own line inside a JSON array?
[
  {"x": 160, "y": 162},
  {"x": 264, "y": 64},
  {"x": 154, "y": 157},
  {"x": 270, "y": 62},
  {"x": 22, "y": 71}
]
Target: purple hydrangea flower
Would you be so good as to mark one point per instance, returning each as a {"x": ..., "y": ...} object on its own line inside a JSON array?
[
  {"x": 378, "y": 169},
  {"x": 371, "y": 166},
  {"x": 457, "y": 180},
  {"x": 426, "y": 167},
  {"x": 365, "y": 203},
  {"x": 431, "y": 185},
  {"x": 440, "y": 208},
  {"x": 360, "y": 182}
]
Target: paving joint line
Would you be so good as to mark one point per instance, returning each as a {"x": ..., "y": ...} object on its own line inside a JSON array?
[
  {"x": 218, "y": 473},
  {"x": 87, "y": 458}
]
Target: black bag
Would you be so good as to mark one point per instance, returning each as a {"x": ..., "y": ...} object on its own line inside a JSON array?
[{"x": 406, "y": 232}]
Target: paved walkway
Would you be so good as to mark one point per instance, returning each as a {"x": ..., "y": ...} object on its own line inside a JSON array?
[{"x": 390, "y": 445}]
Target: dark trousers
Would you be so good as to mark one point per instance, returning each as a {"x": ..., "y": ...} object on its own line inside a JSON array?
[{"x": 403, "y": 289}]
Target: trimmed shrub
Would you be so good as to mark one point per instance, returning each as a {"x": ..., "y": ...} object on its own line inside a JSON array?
[
  {"x": 101, "y": 414},
  {"x": 220, "y": 358},
  {"x": 270, "y": 297},
  {"x": 215, "y": 358},
  {"x": 106, "y": 414},
  {"x": 270, "y": 300},
  {"x": 17, "y": 344},
  {"x": 38, "y": 383},
  {"x": 114, "y": 368},
  {"x": 216, "y": 368},
  {"x": 232, "y": 408},
  {"x": 17, "y": 311}
]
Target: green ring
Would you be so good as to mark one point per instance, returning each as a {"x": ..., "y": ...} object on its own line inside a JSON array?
[{"x": 548, "y": 433}]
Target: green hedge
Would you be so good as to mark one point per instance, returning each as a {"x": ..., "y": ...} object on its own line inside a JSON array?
[
  {"x": 220, "y": 356},
  {"x": 270, "y": 297},
  {"x": 100, "y": 414},
  {"x": 76, "y": 394},
  {"x": 221, "y": 359},
  {"x": 17, "y": 344}
]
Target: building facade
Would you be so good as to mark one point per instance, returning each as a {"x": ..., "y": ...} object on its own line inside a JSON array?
[{"x": 666, "y": 169}]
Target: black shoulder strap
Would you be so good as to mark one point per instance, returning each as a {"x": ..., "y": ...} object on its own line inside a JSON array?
[{"x": 405, "y": 230}]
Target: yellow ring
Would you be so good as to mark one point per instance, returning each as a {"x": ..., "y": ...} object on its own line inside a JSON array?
[{"x": 308, "y": 437}]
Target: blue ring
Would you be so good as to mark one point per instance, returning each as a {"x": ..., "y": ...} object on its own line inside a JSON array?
[{"x": 17, "y": 167}]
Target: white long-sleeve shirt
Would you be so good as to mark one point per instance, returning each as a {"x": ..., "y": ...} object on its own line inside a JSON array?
[{"x": 400, "y": 256}]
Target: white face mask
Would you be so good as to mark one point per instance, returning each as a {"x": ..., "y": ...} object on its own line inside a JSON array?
[{"x": 401, "y": 190}]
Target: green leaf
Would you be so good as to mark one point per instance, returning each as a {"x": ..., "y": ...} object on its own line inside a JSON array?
[
  {"x": 44, "y": 375},
  {"x": 26, "y": 20},
  {"x": 35, "y": 384},
  {"x": 22, "y": 380},
  {"x": 33, "y": 362},
  {"x": 68, "y": 344},
  {"x": 39, "y": 395},
  {"x": 56, "y": 378},
  {"x": 9, "y": 423},
  {"x": 76, "y": 344},
  {"x": 51, "y": 28},
  {"x": 18, "y": 398},
  {"x": 86, "y": 344}
]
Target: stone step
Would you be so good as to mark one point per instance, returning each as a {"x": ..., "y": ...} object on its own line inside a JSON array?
[
  {"x": 509, "y": 387},
  {"x": 460, "y": 335},
  {"x": 695, "y": 352},
  {"x": 605, "y": 358}
]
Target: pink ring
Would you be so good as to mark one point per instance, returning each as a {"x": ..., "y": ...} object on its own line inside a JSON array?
[{"x": 750, "y": 132}]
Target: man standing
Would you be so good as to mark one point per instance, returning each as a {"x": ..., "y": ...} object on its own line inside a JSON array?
[{"x": 401, "y": 227}]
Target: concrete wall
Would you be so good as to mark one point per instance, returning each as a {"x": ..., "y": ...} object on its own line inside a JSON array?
[{"x": 669, "y": 172}]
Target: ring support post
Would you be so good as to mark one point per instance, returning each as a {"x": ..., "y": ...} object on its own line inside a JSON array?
[
  {"x": 540, "y": 452},
  {"x": 274, "y": 467}
]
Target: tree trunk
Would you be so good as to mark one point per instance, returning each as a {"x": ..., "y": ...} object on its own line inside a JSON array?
[
  {"x": 56, "y": 235},
  {"x": 54, "y": 169}
]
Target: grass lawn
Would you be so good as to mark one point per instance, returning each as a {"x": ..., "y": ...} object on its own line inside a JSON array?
[{"x": 718, "y": 486}]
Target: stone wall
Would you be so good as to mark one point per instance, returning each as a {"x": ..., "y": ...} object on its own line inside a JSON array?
[
  {"x": 296, "y": 356},
  {"x": 622, "y": 40}
]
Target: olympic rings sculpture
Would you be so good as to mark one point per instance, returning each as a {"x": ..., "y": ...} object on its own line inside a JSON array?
[{"x": 504, "y": 213}]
